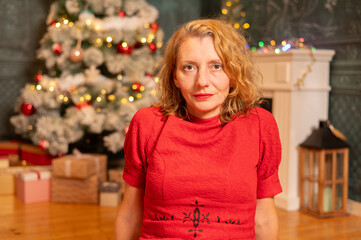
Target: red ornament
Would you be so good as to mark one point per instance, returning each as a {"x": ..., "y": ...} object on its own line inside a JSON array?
[
  {"x": 44, "y": 144},
  {"x": 152, "y": 47},
  {"x": 154, "y": 27},
  {"x": 125, "y": 130},
  {"x": 149, "y": 75},
  {"x": 57, "y": 48},
  {"x": 27, "y": 109},
  {"x": 53, "y": 23},
  {"x": 38, "y": 77},
  {"x": 82, "y": 105},
  {"x": 121, "y": 14},
  {"x": 136, "y": 86},
  {"x": 125, "y": 48}
]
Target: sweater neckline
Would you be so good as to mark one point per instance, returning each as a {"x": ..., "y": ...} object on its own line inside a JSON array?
[{"x": 207, "y": 121}]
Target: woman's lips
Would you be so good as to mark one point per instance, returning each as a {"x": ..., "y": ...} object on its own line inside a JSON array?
[{"x": 203, "y": 96}]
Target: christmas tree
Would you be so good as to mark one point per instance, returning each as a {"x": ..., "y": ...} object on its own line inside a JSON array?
[
  {"x": 99, "y": 60},
  {"x": 233, "y": 11}
]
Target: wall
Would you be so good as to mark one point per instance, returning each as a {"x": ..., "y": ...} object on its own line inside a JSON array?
[
  {"x": 173, "y": 13},
  {"x": 22, "y": 25}
]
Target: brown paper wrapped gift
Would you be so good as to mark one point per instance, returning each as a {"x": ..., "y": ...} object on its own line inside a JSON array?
[
  {"x": 7, "y": 182},
  {"x": 81, "y": 166},
  {"x": 69, "y": 190},
  {"x": 4, "y": 162},
  {"x": 72, "y": 166},
  {"x": 101, "y": 165}
]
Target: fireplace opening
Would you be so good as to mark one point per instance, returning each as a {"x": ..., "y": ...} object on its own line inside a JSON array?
[{"x": 266, "y": 103}]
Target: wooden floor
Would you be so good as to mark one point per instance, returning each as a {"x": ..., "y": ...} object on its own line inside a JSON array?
[{"x": 56, "y": 221}]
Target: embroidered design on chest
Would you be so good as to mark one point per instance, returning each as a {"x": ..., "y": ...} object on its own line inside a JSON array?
[{"x": 197, "y": 217}]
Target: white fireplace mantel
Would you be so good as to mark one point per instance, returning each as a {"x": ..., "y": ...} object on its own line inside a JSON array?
[{"x": 297, "y": 81}]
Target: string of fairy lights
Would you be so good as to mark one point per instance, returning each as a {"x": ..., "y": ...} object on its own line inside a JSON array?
[{"x": 234, "y": 12}]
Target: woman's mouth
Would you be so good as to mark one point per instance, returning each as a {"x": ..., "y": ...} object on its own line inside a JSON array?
[{"x": 203, "y": 96}]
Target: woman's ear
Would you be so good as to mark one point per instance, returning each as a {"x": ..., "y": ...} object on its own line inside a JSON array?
[
  {"x": 231, "y": 84},
  {"x": 175, "y": 80}
]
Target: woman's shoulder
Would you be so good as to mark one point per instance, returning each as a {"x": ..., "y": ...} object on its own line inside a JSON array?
[
  {"x": 265, "y": 118},
  {"x": 148, "y": 113},
  {"x": 259, "y": 116},
  {"x": 262, "y": 113},
  {"x": 148, "y": 118},
  {"x": 256, "y": 113}
]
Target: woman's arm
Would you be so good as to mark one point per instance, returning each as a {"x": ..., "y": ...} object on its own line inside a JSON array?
[
  {"x": 266, "y": 220},
  {"x": 128, "y": 223}
]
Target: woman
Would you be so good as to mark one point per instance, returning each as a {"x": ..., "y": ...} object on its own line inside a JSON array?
[{"x": 203, "y": 163}]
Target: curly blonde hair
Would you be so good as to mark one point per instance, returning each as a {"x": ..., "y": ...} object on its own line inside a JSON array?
[{"x": 231, "y": 47}]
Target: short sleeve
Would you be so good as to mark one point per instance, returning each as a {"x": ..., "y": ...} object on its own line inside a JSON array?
[
  {"x": 268, "y": 183},
  {"x": 135, "y": 153}
]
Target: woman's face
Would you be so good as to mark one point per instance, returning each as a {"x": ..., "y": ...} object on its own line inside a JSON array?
[{"x": 201, "y": 78}]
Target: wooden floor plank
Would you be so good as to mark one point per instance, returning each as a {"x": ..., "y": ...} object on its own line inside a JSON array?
[{"x": 57, "y": 221}]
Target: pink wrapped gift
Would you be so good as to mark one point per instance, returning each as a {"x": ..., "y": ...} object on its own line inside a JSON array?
[{"x": 33, "y": 186}]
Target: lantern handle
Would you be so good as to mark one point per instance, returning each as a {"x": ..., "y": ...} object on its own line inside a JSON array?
[{"x": 336, "y": 132}]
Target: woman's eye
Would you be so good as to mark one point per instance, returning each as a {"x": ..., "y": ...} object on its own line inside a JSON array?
[
  {"x": 188, "y": 67},
  {"x": 217, "y": 66}
]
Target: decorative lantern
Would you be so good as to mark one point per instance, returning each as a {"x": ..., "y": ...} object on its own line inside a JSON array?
[{"x": 324, "y": 172}]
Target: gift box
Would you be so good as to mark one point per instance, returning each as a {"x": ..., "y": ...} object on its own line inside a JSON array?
[
  {"x": 71, "y": 190},
  {"x": 101, "y": 165},
  {"x": 4, "y": 162},
  {"x": 116, "y": 175},
  {"x": 33, "y": 186},
  {"x": 34, "y": 155},
  {"x": 14, "y": 161},
  {"x": 110, "y": 194},
  {"x": 9, "y": 147},
  {"x": 72, "y": 166},
  {"x": 8, "y": 180},
  {"x": 81, "y": 166}
]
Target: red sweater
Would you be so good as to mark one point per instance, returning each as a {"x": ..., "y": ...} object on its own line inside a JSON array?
[{"x": 202, "y": 179}]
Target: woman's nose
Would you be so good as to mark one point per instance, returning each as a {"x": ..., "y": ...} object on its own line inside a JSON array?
[{"x": 202, "y": 78}]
